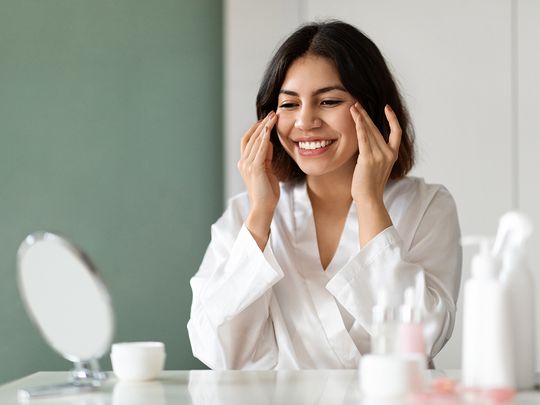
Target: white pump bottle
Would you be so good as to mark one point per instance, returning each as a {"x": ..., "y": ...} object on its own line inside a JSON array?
[
  {"x": 517, "y": 280},
  {"x": 487, "y": 362}
]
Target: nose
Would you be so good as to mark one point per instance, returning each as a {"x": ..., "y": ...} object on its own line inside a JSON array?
[{"x": 307, "y": 119}]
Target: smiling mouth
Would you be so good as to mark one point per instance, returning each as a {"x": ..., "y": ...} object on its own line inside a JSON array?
[{"x": 314, "y": 145}]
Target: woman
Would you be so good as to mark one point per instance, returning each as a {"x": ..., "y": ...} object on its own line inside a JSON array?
[{"x": 329, "y": 217}]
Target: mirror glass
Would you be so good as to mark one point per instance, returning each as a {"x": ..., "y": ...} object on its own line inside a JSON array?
[{"x": 67, "y": 300}]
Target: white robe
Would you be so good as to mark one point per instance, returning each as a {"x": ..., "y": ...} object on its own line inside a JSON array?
[{"x": 279, "y": 309}]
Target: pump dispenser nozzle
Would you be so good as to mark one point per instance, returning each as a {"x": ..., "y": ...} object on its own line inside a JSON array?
[
  {"x": 484, "y": 264},
  {"x": 514, "y": 230}
]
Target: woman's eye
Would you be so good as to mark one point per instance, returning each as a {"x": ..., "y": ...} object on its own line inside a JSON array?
[
  {"x": 331, "y": 102},
  {"x": 287, "y": 105}
]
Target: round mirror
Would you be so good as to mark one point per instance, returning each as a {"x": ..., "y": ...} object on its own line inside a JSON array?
[{"x": 66, "y": 299}]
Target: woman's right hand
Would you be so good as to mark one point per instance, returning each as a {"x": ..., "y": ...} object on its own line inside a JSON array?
[{"x": 262, "y": 185}]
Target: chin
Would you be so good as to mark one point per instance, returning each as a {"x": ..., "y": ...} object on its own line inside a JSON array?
[{"x": 313, "y": 170}]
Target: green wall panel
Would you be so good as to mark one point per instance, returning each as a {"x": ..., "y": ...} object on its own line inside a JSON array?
[{"x": 111, "y": 134}]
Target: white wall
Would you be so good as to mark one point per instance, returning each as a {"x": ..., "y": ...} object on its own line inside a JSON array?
[
  {"x": 253, "y": 30},
  {"x": 456, "y": 63},
  {"x": 527, "y": 110}
]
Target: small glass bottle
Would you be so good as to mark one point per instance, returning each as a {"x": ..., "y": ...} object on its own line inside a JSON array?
[
  {"x": 384, "y": 327},
  {"x": 411, "y": 329}
]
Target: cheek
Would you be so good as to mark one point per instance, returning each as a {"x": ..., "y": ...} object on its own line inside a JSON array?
[
  {"x": 350, "y": 129},
  {"x": 343, "y": 123},
  {"x": 284, "y": 125}
]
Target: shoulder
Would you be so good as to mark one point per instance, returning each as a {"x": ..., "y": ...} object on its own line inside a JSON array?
[
  {"x": 409, "y": 199},
  {"x": 412, "y": 203},
  {"x": 415, "y": 190},
  {"x": 413, "y": 184}
]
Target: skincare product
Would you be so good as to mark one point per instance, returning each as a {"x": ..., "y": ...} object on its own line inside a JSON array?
[
  {"x": 411, "y": 331},
  {"x": 518, "y": 282},
  {"x": 389, "y": 376},
  {"x": 384, "y": 327},
  {"x": 137, "y": 361},
  {"x": 487, "y": 358},
  {"x": 386, "y": 373}
]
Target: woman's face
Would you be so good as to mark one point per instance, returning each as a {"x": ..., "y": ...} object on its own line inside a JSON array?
[{"x": 315, "y": 125}]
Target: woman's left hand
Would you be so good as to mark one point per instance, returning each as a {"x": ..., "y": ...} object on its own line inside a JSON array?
[
  {"x": 375, "y": 157},
  {"x": 373, "y": 167}
]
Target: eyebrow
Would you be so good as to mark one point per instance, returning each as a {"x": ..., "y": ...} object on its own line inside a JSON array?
[{"x": 316, "y": 92}]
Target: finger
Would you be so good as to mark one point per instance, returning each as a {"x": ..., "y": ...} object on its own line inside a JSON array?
[
  {"x": 268, "y": 162},
  {"x": 394, "y": 140},
  {"x": 269, "y": 152},
  {"x": 247, "y": 136},
  {"x": 260, "y": 157},
  {"x": 379, "y": 145},
  {"x": 375, "y": 136},
  {"x": 364, "y": 145},
  {"x": 263, "y": 151},
  {"x": 266, "y": 130},
  {"x": 255, "y": 147},
  {"x": 256, "y": 134}
]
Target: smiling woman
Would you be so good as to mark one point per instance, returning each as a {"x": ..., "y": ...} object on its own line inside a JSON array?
[
  {"x": 329, "y": 221},
  {"x": 351, "y": 64},
  {"x": 315, "y": 119}
]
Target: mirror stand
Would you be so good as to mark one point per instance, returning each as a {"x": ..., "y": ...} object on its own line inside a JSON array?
[
  {"x": 87, "y": 371},
  {"x": 85, "y": 376}
]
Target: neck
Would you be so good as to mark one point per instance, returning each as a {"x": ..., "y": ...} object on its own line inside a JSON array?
[{"x": 332, "y": 189}]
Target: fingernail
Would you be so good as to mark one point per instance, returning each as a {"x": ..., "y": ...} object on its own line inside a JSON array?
[{"x": 389, "y": 108}]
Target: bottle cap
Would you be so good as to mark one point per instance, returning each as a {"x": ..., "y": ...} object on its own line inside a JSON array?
[
  {"x": 484, "y": 264},
  {"x": 408, "y": 312},
  {"x": 382, "y": 311}
]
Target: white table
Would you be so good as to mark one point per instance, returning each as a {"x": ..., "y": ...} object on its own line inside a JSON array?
[{"x": 205, "y": 387}]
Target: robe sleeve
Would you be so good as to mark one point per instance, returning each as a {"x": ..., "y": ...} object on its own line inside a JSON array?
[
  {"x": 435, "y": 253},
  {"x": 230, "y": 326}
]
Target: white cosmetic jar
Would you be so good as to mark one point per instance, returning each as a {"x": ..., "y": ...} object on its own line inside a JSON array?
[
  {"x": 137, "y": 361},
  {"x": 390, "y": 376}
]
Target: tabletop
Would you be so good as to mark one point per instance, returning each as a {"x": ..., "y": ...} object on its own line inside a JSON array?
[{"x": 204, "y": 387}]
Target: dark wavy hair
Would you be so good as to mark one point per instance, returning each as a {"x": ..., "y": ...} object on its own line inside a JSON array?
[{"x": 362, "y": 70}]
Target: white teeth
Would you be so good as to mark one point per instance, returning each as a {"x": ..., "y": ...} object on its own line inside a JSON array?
[{"x": 314, "y": 145}]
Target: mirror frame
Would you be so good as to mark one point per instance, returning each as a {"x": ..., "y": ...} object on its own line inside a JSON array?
[{"x": 86, "y": 374}]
